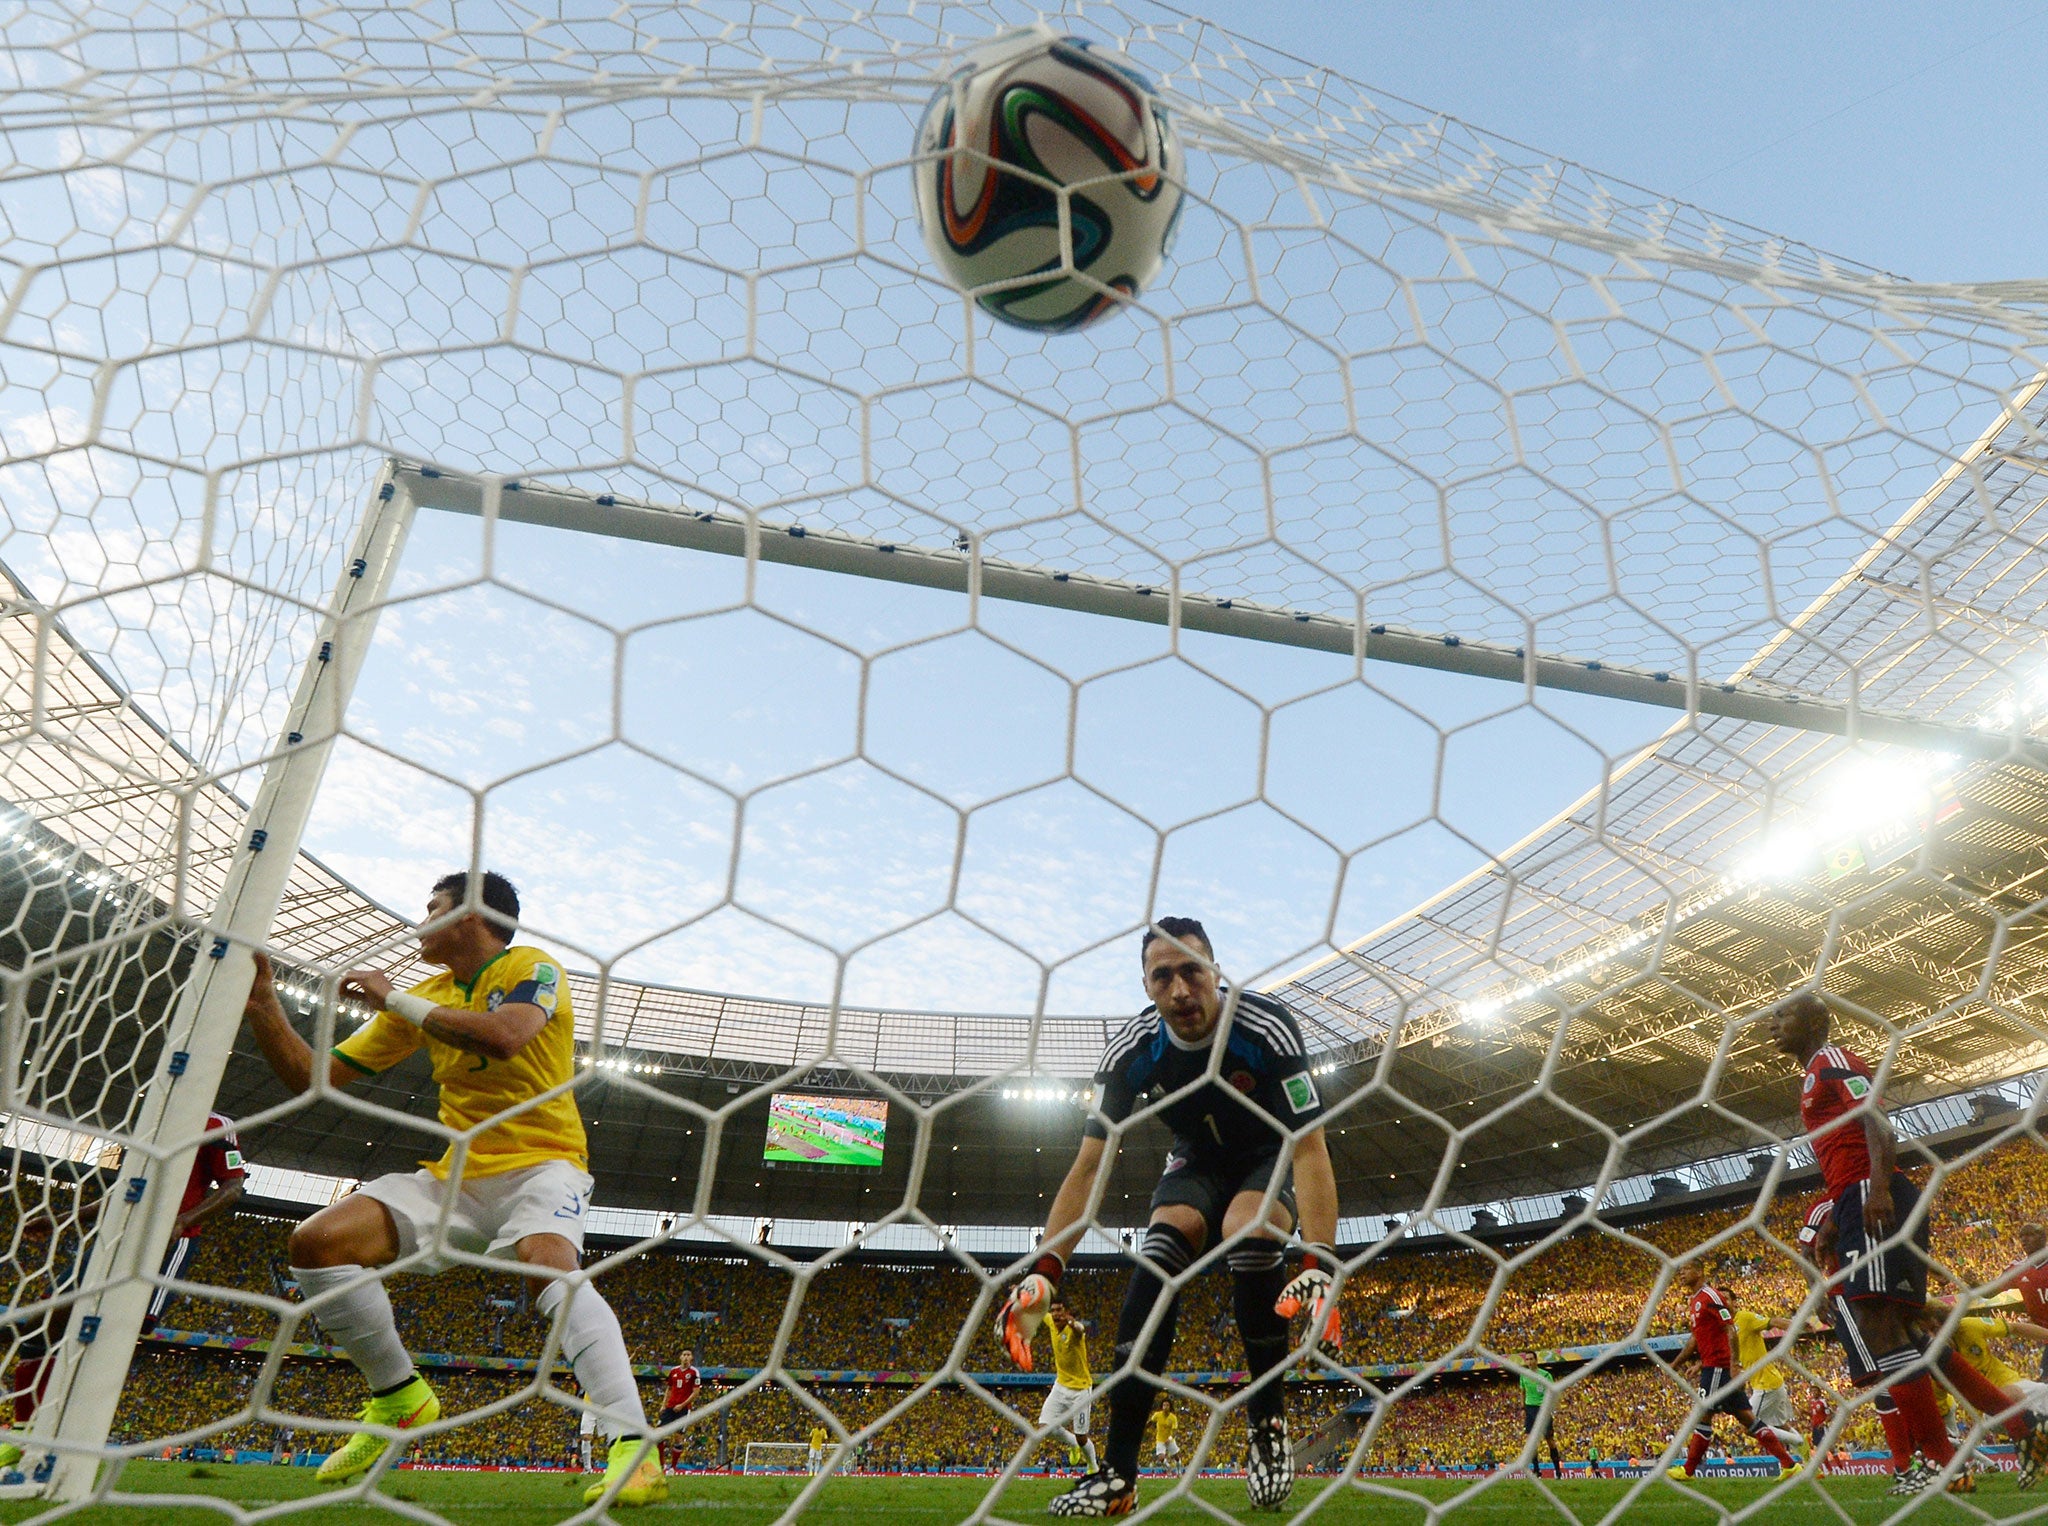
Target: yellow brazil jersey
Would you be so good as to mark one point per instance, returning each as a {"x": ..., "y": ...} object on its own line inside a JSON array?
[
  {"x": 474, "y": 1088},
  {"x": 1750, "y": 1347},
  {"x": 1070, "y": 1356},
  {"x": 1973, "y": 1342},
  {"x": 818, "y": 1438},
  {"x": 1164, "y": 1423}
]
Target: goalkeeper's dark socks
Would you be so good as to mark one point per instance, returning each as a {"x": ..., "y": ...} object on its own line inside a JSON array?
[
  {"x": 1981, "y": 1394},
  {"x": 1166, "y": 1253},
  {"x": 1258, "y": 1273}
]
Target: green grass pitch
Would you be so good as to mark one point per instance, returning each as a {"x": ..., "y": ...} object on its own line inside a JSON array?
[
  {"x": 814, "y": 1149},
  {"x": 528, "y": 1499}
]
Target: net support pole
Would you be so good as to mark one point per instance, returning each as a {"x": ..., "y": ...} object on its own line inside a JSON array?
[{"x": 139, "y": 1214}]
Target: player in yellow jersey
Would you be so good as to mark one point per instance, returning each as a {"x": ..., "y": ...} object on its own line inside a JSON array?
[
  {"x": 1068, "y": 1406},
  {"x": 498, "y": 1027},
  {"x": 819, "y": 1437},
  {"x": 1972, "y": 1341},
  {"x": 1165, "y": 1434},
  {"x": 1768, "y": 1398}
]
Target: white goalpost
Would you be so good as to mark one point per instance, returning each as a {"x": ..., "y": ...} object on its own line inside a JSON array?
[
  {"x": 778, "y": 616},
  {"x": 170, "y": 1113}
]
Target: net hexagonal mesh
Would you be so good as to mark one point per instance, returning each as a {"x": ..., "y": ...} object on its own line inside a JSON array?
[{"x": 1538, "y": 627}]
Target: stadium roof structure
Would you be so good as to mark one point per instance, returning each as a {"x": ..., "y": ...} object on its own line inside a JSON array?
[
  {"x": 1641, "y": 918},
  {"x": 1720, "y": 869}
]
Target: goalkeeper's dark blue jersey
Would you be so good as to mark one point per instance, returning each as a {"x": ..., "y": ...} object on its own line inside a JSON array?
[{"x": 1264, "y": 1063}]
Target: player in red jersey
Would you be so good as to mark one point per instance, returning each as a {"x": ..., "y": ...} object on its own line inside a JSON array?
[
  {"x": 683, "y": 1382},
  {"x": 214, "y": 1187},
  {"x": 1881, "y": 1244},
  {"x": 2028, "y": 1277},
  {"x": 1720, "y": 1381}
]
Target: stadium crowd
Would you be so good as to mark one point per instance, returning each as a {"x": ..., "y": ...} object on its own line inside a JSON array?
[{"x": 1411, "y": 1306}]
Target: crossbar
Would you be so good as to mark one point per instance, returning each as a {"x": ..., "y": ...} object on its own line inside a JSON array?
[{"x": 968, "y": 571}]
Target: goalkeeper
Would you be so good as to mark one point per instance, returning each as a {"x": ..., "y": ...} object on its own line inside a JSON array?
[
  {"x": 1245, "y": 1115},
  {"x": 499, "y": 1030}
]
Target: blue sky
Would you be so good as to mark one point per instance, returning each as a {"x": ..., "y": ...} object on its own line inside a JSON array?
[
  {"x": 963, "y": 859},
  {"x": 1889, "y": 133}
]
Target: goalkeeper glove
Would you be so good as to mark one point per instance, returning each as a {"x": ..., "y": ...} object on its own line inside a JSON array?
[
  {"x": 1017, "y": 1321},
  {"x": 1311, "y": 1291}
]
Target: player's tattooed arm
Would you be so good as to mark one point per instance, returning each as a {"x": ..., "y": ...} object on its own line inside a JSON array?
[
  {"x": 1064, "y": 1224},
  {"x": 2027, "y": 1330},
  {"x": 1315, "y": 1188},
  {"x": 289, "y": 1055},
  {"x": 1883, "y": 1145}
]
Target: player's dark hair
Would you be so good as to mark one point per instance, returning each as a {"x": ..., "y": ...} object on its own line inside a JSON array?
[
  {"x": 1811, "y": 1004},
  {"x": 1181, "y": 929},
  {"x": 500, "y": 900}
]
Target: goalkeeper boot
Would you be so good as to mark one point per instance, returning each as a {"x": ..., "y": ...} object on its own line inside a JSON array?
[
  {"x": 1103, "y": 1492},
  {"x": 645, "y": 1483},
  {"x": 1269, "y": 1464},
  {"x": 10, "y": 1454},
  {"x": 411, "y": 1406}
]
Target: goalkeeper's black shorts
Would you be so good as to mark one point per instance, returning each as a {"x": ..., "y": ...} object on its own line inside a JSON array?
[{"x": 1207, "y": 1185}]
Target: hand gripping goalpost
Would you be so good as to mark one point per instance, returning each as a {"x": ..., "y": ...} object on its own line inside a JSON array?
[{"x": 92, "y": 1361}]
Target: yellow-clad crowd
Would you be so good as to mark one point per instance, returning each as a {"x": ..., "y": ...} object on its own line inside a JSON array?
[{"x": 1411, "y": 1305}]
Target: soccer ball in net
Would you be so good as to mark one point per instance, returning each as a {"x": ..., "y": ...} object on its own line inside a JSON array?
[{"x": 1048, "y": 179}]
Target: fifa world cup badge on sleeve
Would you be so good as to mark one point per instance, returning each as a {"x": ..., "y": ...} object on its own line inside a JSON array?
[{"x": 1301, "y": 1092}]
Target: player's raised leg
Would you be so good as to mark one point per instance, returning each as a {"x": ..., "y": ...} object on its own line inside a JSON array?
[{"x": 334, "y": 1259}]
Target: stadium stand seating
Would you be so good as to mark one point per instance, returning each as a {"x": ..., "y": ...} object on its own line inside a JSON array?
[{"x": 877, "y": 1320}]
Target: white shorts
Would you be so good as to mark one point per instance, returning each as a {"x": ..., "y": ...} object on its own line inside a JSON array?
[
  {"x": 817, "y": 1457},
  {"x": 1773, "y": 1407},
  {"x": 490, "y": 1215},
  {"x": 1068, "y": 1407}
]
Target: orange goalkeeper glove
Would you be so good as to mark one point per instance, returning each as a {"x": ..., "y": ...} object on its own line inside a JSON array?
[
  {"x": 1021, "y": 1314},
  {"x": 1311, "y": 1290}
]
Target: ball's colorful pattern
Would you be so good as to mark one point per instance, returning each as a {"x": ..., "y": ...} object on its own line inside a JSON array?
[{"x": 1048, "y": 180}]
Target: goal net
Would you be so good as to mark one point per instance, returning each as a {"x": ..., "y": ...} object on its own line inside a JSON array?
[
  {"x": 777, "y": 1457},
  {"x": 1538, "y": 627}
]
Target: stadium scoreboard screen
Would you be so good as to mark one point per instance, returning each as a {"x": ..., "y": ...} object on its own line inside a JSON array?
[{"x": 805, "y": 1129}]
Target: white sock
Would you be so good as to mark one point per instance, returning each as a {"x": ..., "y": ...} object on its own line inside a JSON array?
[
  {"x": 596, "y": 1349},
  {"x": 359, "y": 1319},
  {"x": 1094, "y": 1464},
  {"x": 1792, "y": 1439}
]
